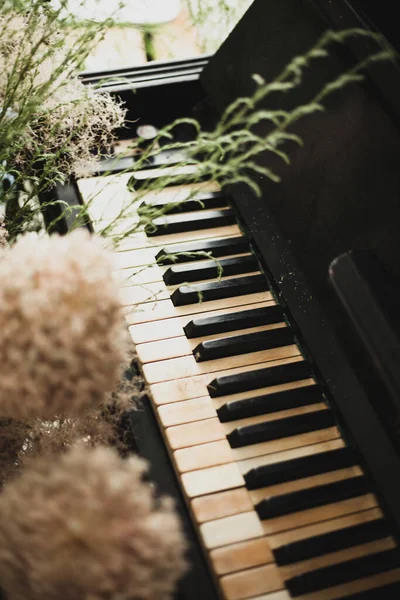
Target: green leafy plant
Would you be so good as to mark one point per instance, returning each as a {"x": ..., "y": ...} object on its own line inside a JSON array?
[
  {"x": 50, "y": 123},
  {"x": 228, "y": 154}
]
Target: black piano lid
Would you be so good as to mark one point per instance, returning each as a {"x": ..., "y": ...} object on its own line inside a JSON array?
[{"x": 340, "y": 193}]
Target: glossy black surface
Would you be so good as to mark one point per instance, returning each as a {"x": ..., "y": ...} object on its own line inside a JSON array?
[
  {"x": 202, "y": 326},
  {"x": 320, "y": 495},
  {"x": 259, "y": 378},
  {"x": 269, "y": 403},
  {"x": 280, "y": 428},
  {"x": 298, "y": 468},
  {"x": 331, "y": 542},
  {"x": 218, "y": 290},
  {"x": 202, "y": 249},
  {"x": 344, "y": 572},
  {"x": 243, "y": 344},
  {"x": 190, "y": 222},
  {"x": 211, "y": 269}
]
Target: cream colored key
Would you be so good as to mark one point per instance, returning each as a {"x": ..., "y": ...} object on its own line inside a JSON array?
[
  {"x": 246, "y": 526},
  {"x": 108, "y": 197},
  {"x": 147, "y": 256},
  {"x": 194, "y": 387},
  {"x": 321, "y": 513},
  {"x": 152, "y": 273},
  {"x": 305, "y": 482},
  {"x": 132, "y": 296},
  {"x": 282, "y": 595},
  {"x": 150, "y": 332},
  {"x": 181, "y": 346},
  {"x": 186, "y": 366},
  {"x": 137, "y": 239},
  {"x": 243, "y": 555},
  {"x": 333, "y": 558},
  {"x": 223, "y": 504},
  {"x": 247, "y": 583},
  {"x": 252, "y": 553},
  {"x": 226, "y": 476},
  {"x": 157, "y": 311},
  {"x": 314, "y": 530},
  {"x": 188, "y": 411},
  {"x": 220, "y": 452},
  {"x": 359, "y": 585},
  {"x": 211, "y": 430},
  {"x": 231, "y": 530}
]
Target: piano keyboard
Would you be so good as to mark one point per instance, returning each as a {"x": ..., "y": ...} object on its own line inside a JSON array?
[{"x": 282, "y": 507}]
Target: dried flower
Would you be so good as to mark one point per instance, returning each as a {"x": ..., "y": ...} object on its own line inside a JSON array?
[
  {"x": 85, "y": 526},
  {"x": 63, "y": 338},
  {"x": 3, "y": 234}
]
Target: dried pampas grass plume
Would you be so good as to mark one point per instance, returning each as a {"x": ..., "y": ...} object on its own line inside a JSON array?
[
  {"x": 85, "y": 526},
  {"x": 62, "y": 333},
  {"x": 3, "y": 234}
]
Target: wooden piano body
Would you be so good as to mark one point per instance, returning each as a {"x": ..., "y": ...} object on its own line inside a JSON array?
[{"x": 285, "y": 452}]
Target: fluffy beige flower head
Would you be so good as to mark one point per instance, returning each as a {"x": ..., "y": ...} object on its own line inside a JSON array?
[
  {"x": 85, "y": 526},
  {"x": 62, "y": 334}
]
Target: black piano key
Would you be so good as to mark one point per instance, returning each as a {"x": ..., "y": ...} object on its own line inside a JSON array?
[
  {"x": 243, "y": 319},
  {"x": 243, "y": 344},
  {"x": 141, "y": 179},
  {"x": 298, "y": 468},
  {"x": 391, "y": 591},
  {"x": 190, "y": 222},
  {"x": 280, "y": 428},
  {"x": 259, "y": 378},
  {"x": 210, "y": 269},
  {"x": 217, "y": 290},
  {"x": 193, "y": 251},
  {"x": 269, "y": 403},
  {"x": 344, "y": 572},
  {"x": 333, "y": 541},
  {"x": 320, "y": 495},
  {"x": 204, "y": 200}
]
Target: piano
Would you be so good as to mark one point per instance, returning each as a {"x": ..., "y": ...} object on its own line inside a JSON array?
[{"x": 273, "y": 405}]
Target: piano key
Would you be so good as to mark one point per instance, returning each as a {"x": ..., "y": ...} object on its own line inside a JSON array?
[
  {"x": 265, "y": 404},
  {"x": 190, "y": 222},
  {"x": 176, "y": 347},
  {"x": 259, "y": 378},
  {"x": 193, "y": 251},
  {"x": 333, "y": 541},
  {"x": 140, "y": 294},
  {"x": 174, "y": 326},
  {"x": 243, "y": 344},
  {"x": 233, "y": 321},
  {"x": 342, "y": 591},
  {"x": 187, "y": 388},
  {"x": 186, "y": 366},
  {"x": 132, "y": 257},
  {"x": 267, "y": 431},
  {"x": 210, "y": 269},
  {"x": 223, "y": 477},
  {"x": 243, "y": 555},
  {"x": 144, "y": 177},
  {"x": 201, "y": 200},
  {"x": 216, "y": 453},
  {"x": 299, "y": 467},
  {"x": 209, "y": 430},
  {"x": 339, "y": 557},
  {"x": 284, "y": 538},
  {"x": 344, "y": 572},
  {"x": 391, "y": 591},
  {"x": 246, "y": 526},
  {"x": 251, "y": 582},
  {"x": 204, "y": 292},
  {"x": 314, "y": 497},
  {"x": 157, "y": 311}
]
